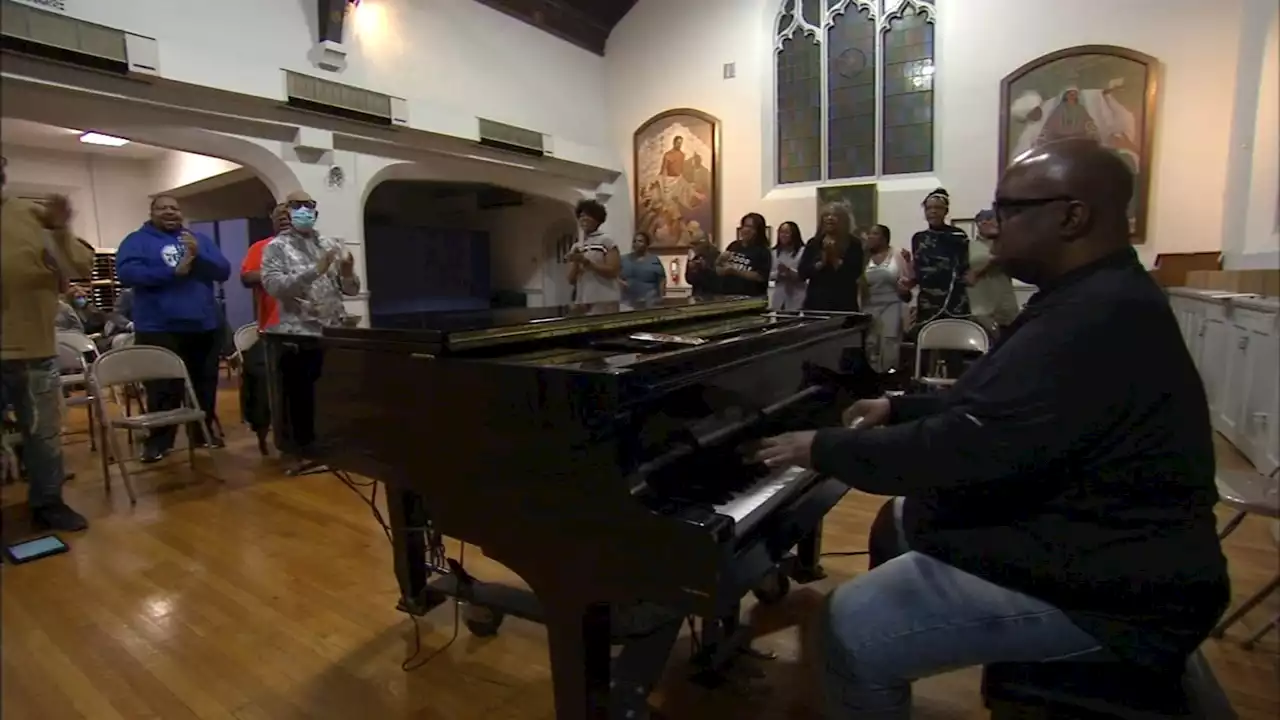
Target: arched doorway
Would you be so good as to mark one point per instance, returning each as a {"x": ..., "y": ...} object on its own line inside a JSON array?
[{"x": 458, "y": 235}]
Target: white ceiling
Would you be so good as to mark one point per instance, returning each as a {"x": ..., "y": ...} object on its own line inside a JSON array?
[{"x": 24, "y": 133}]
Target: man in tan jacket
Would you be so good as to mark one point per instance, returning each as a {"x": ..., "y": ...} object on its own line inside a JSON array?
[{"x": 37, "y": 253}]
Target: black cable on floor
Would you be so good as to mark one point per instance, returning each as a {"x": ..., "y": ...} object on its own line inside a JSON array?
[
  {"x": 849, "y": 553},
  {"x": 437, "y": 559}
]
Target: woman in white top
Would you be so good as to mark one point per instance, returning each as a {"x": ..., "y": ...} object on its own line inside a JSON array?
[
  {"x": 788, "y": 286},
  {"x": 888, "y": 280},
  {"x": 594, "y": 261}
]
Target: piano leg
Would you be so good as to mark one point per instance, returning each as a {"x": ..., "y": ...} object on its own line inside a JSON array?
[
  {"x": 578, "y": 637},
  {"x": 637, "y": 670},
  {"x": 409, "y": 550},
  {"x": 807, "y": 567},
  {"x": 721, "y": 640}
]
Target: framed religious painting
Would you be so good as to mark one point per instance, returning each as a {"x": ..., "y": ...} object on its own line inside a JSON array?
[
  {"x": 1102, "y": 92},
  {"x": 859, "y": 200},
  {"x": 677, "y": 179}
]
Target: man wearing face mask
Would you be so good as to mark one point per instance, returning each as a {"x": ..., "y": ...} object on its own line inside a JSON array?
[
  {"x": 172, "y": 272},
  {"x": 308, "y": 275}
]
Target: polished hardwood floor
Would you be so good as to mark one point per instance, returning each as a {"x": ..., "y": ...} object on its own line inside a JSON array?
[{"x": 235, "y": 592}]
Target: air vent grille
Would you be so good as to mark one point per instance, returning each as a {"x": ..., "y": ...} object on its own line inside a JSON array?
[
  {"x": 509, "y": 137},
  {"x": 57, "y": 37},
  {"x": 331, "y": 98}
]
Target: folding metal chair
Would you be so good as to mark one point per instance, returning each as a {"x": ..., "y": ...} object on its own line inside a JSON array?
[
  {"x": 947, "y": 334},
  {"x": 1249, "y": 493},
  {"x": 75, "y": 351},
  {"x": 139, "y": 364}
]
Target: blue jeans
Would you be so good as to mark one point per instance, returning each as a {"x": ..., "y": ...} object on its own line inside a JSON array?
[
  {"x": 34, "y": 391},
  {"x": 916, "y": 616}
]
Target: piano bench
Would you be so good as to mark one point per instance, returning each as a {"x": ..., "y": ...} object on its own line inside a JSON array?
[{"x": 1085, "y": 691}]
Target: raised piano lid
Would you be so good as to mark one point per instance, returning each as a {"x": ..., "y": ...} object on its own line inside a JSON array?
[{"x": 474, "y": 329}]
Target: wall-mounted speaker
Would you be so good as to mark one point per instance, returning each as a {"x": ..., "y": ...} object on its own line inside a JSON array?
[{"x": 333, "y": 15}]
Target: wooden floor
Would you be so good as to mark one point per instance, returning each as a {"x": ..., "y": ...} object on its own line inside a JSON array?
[{"x": 239, "y": 593}]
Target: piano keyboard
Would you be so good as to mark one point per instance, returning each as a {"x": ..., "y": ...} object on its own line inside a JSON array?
[{"x": 756, "y": 502}]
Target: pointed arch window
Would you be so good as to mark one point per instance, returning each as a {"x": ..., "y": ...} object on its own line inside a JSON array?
[{"x": 854, "y": 89}]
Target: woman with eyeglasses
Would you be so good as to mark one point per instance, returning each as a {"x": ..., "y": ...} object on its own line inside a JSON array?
[
  {"x": 172, "y": 271},
  {"x": 743, "y": 268},
  {"x": 940, "y": 255}
]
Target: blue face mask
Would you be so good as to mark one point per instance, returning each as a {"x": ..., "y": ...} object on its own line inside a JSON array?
[
  {"x": 81, "y": 302},
  {"x": 303, "y": 218}
]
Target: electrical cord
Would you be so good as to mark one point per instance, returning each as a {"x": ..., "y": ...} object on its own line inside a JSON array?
[{"x": 437, "y": 558}]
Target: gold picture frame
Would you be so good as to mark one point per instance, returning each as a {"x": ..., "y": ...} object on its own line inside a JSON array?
[
  {"x": 1102, "y": 91},
  {"x": 676, "y": 187}
]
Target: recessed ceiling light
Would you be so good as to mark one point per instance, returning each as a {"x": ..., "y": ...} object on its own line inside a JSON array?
[{"x": 94, "y": 138}]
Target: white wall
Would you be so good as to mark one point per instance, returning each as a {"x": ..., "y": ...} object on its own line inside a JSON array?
[
  {"x": 977, "y": 45},
  {"x": 246, "y": 198},
  {"x": 1260, "y": 246},
  {"x": 451, "y": 60},
  {"x": 520, "y": 243},
  {"x": 109, "y": 196},
  {"x": 176, "y": 169}
]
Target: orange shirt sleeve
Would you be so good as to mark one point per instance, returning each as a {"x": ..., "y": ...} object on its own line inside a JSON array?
[{"x": 253, "y": 257}]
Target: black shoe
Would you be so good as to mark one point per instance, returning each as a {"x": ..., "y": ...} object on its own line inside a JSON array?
[
  {"x": 214, "y": 442},
  {"x": 58, "y": 517},
  {"x": 262, "y": 444},
  {"x": 151, "y": 455}
]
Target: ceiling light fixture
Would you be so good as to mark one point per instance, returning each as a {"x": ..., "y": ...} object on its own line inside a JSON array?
[{"x": 93, "y": 138}]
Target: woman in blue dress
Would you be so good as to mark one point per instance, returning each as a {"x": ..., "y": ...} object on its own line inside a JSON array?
[{"x": 644, "y": 280}]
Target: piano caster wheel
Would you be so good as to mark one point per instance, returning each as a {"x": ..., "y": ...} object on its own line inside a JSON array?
[
  {"x": 774, "y": 588},
  {"x": 482, "y": 621}
]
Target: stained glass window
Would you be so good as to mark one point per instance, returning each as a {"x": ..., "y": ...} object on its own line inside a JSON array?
[
  {"x": 799, "y": 109},
  {"x": 854, "y": 81},
  {"x": 851, "y": 94},
  {"x": 907, "y": 130}
]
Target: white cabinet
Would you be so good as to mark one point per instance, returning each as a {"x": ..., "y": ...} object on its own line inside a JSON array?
[{"x": 1235, "y": 342}]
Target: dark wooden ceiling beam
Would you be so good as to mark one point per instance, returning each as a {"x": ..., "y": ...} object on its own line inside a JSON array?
[{"x": 588, "y": 29}]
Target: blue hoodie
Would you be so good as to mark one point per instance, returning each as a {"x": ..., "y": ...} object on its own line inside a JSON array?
[{"x": 164, "y": 301}]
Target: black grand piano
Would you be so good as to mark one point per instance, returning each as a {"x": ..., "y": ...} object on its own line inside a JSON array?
[{"x": 598, "y": 455}]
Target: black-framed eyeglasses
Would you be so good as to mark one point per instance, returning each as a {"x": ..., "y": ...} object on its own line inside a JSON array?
[
  {"x": 1006, "y": 208},
  {"x": 298, "y": 204}
]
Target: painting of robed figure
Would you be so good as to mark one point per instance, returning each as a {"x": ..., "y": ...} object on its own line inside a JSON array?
[
  {"x": 677, "y": 175},
  {"x": 1101, "y": 92}
]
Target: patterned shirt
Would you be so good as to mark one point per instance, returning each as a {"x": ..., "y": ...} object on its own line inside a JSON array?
[{"x": 309, "y": 302}]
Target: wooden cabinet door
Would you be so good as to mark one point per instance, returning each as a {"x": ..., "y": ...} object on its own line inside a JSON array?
[
  {"x": 1235, "y": 385},
  {"x": 1215, "y": 352},
  {"x": 1260, "y": 420}
]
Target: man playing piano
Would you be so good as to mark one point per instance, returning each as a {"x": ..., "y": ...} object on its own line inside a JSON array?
[{"x": 1055, "y": 504}]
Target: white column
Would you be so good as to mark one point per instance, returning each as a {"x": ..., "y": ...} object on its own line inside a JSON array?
[{"x": 1256, "y": 19}]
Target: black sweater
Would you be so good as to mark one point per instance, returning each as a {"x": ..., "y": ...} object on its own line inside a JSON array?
[
  {"x": 1073, "y": 463},
  {"x": 832, "y": 288}
]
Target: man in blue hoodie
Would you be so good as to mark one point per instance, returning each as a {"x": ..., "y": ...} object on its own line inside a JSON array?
[{"x": 172, "y": 271}]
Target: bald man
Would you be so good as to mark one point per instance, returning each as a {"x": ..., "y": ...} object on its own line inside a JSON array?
[
  {"x": 1057, "y": 502},
  {"x": 308, "y": 275}
]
